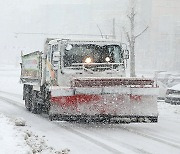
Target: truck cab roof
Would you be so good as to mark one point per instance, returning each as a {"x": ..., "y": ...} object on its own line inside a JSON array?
[{"x": 86, "y": 41}]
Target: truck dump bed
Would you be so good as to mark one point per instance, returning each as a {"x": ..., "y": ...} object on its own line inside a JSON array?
[{"x": 31, "y": 68}]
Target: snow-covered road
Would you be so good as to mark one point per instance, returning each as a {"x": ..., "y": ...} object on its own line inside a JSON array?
[{"x": 162, "y": 137}]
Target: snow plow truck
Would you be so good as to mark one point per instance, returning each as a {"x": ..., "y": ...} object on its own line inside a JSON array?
[{"x": 75, "y": 79}]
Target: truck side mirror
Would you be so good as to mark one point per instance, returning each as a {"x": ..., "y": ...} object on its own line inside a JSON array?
[
  {"x": 55, "y": 60},
  {"x": 126, "y": 54}
]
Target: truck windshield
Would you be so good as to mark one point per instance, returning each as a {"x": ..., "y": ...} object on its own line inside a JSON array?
[{"x": 92, "y": 54}]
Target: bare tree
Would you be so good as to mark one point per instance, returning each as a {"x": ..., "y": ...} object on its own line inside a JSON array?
[{"x": 131, "y": 37}]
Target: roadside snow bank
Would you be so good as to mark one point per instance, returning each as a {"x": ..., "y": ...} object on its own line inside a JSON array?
[
  {"x": 38, "y": 144},
  {"x": 17, "y": 139},
  {"x": 169, "y": 109},
  {"x": 11, "y": 140}
]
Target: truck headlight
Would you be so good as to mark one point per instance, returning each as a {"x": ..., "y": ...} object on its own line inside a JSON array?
[
  {"x": 88, "y": 60},
  {"x": 107, "y": 59}
]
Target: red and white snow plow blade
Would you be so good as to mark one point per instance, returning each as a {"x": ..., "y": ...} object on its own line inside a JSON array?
[{"x": 111, "y": 99}]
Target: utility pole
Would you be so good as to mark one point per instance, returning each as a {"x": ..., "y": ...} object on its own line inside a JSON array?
[{"x": 114, "y": 29}]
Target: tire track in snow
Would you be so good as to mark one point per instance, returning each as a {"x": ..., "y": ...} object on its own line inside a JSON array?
[
  {"x": 86, "y": 137},
  {"x": 92, "y": 140},
  {"x": 16, "y": 95},
  {"x": 152, "y": 137},
  {"x": 117, "y": 142},
  {"x": 152, "y": 133},
  {"x": 12, "y": 102},
  {"x": 165, "y": 138},
  {"x": 170, "y": 119}
]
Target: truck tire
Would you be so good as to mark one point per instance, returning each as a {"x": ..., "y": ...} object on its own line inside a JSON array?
[
  {"x": 36, "y": 107},
  {"x": 27, "y": 96},
  {"x": 47, "y": 104},
  {"x": 28, "y": 102}
]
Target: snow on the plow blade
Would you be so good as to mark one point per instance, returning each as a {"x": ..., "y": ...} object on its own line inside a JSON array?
[
  {"x": 106, "y": 82},
  {"x": 107, "y": 99}
]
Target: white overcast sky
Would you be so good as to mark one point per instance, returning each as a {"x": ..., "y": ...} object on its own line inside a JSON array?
[{"x": 53, "y": 16}]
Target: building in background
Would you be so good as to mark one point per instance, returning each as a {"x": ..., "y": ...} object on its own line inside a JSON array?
[
  {"x": 165, "y": 35},
  {"x": 158, "y": 49}
]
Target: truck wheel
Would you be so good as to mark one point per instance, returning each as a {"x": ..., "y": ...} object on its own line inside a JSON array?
[
  {"x": 28, "y": 102},
  {"x": 35, "y": 107},
  {"x": 47, "y": 104},
  {"x": 46, "y": 107},
  {"x": 27, "y": 97}
]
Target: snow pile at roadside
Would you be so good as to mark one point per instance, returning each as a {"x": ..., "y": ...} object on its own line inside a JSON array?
[
  {"x": 177, "y": 109},
  {"x": 169, "y": 109},
  {"x": 18, "y": 140},
  {"x": 11, "y": 140},
  {"x": 38, "y": 144}
]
